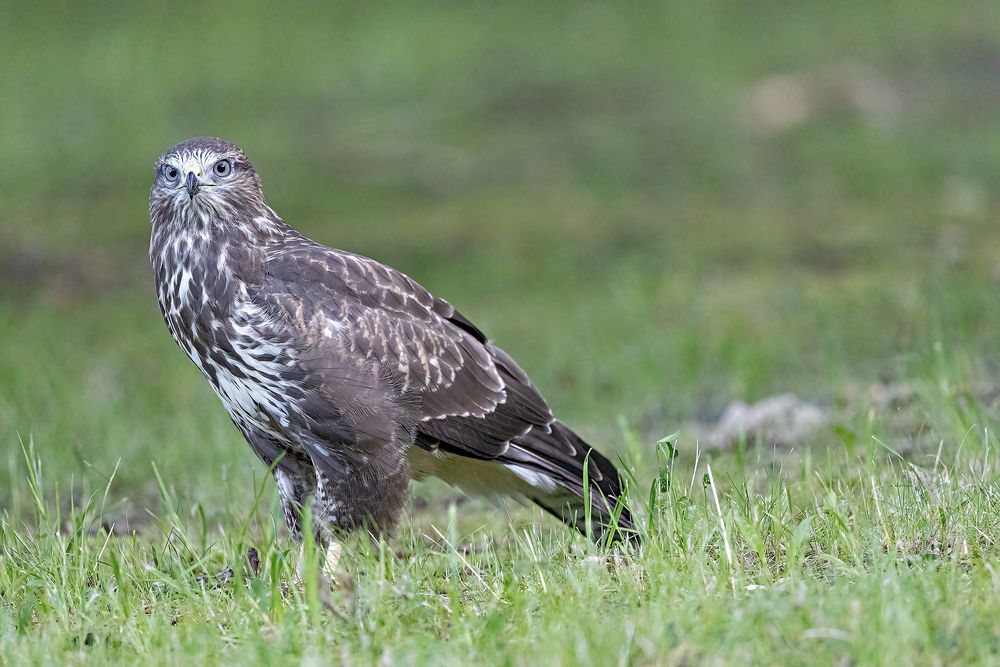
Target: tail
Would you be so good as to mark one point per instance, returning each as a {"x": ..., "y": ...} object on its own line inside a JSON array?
[{"x": 552, "y": 462}]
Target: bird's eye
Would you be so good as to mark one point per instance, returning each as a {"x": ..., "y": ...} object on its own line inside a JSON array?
[
  {"x": 223, "y": 168},
  {"x": 171, "y": 172}
]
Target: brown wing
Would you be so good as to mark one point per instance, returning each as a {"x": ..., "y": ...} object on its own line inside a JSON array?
[{"x": 472, "y": 396}]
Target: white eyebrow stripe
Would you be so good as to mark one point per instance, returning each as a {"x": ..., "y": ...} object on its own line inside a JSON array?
[{"x": 202, "y": 155}]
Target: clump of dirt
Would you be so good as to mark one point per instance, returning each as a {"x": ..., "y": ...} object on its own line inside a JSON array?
[
  {"x": 781, "y": 102},
  {"x": 782, "y": 421}
]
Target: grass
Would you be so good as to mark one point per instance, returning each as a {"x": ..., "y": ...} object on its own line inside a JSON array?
[
  {"x": 595, "y": 187},
  {"x": 869, "y": 557}
]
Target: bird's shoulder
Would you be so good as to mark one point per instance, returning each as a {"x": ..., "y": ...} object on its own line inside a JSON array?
[{"x": 333, "y": 303}]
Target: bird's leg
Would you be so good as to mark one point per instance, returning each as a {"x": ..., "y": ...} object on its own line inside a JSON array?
[
  {"x": 327, "y": 518},
  {"x": 294, "y": 498},
  {"x": 358, "y": 502},
  {"x": 293, "y": 474},
  {"x": 294, "y": 502},
  {"x": 294, "y": 485}
]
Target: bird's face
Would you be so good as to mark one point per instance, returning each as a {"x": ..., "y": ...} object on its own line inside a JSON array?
[{"x": 203, "y": 175}]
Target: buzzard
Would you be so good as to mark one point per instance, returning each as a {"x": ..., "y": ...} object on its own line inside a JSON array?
[{"x": 346, "y": 377}]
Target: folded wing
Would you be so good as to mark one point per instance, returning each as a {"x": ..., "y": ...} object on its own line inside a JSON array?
[{"x": 471, "y": 399}]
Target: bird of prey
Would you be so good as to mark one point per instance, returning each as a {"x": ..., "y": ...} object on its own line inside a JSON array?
[{"x": 345, "y": 376}]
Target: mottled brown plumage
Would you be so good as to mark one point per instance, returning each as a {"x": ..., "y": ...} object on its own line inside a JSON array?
[{"x": 343, "y": 374}]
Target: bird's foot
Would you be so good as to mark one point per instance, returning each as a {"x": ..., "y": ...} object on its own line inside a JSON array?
[
  {"x": 332, "y": 577},
  {"x": 331, "y": 561},
  {"x": 338, "y": 576},
  {"x": 330, "y": 567},
  {"x": 335, "y": 577}
]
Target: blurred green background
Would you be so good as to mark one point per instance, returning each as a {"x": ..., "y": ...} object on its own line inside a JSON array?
[{"x": 656, "y": 207}]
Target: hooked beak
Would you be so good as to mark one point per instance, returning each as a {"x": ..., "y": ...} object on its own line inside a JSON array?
[{"x": 191, "y": 184}]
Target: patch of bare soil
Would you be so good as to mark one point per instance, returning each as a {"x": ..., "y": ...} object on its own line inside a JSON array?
[{"x": 782, "y": 421}]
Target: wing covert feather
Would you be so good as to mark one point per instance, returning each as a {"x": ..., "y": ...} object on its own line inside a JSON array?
[{"x": 472, "y": 396}]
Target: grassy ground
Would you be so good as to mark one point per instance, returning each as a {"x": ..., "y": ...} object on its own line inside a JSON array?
[{"x": 630, "y": 202}]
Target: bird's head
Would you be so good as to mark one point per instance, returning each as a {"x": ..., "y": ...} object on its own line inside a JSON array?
[{"x": 204, "y": 175}]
